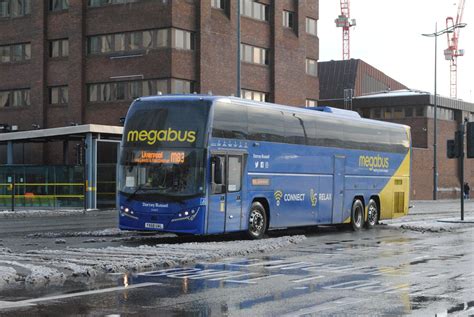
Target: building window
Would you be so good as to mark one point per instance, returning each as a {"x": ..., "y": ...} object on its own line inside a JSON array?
[
  {"x": 140, "y": 41},
  {"x": 398, "y": 113},
  {"x": 364, "y": 112},
  {"x": 14, "y": 8},
  {"x": 129, "y": 90},
  {"x": 162, "y": 38},
  {"x": 254, "y": 95},
  {"x": 408, "y": 112},
  {"x": 420, "y": 111},
  {"x": 179, "y": 86},
  {"x": 59, "y": 48},
  {"x": 219, "y": 4},
  {"x": 254, "y": 9},
  {"x": 15, "y": 98},
  {"x": 15, "y": 53},
  {"x": 311, "y": 26},
  {"x": 253, "y": 54},
  {"x": 58, "y": 5},
  {"x": 99, "y": 3},
  {"x": 376, "y": 113},
  {"x": 311, "y": 103},
  {"x": 387, "y": 113},
  {"x": 58, "y": 95},
  {"x": 289, "y": 19},
  {"x": 182, "y": 40},
  {"x": 311, "y": 67}
]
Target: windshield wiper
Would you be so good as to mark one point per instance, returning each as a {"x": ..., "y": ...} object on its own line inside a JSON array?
[{"x": 135, "y": 192}]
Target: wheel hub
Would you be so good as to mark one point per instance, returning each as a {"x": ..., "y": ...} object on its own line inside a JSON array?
[{"x": 256, "y": 222}]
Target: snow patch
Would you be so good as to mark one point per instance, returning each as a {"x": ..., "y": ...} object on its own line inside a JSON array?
[
  {"x": 37, "y": 275},
  {"x": 110, "y": 232},
  {"x": 55, "y": 266},
  {"x": 430, "y": 225},
  {"x": 8, "y": 276},
  {"x": 38, "y": 212}
]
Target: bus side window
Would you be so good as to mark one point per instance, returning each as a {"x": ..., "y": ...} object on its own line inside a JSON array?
[{"x": 217, "y": 174}]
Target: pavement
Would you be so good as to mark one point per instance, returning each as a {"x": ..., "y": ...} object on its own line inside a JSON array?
[{"x": 435, "y": 216}]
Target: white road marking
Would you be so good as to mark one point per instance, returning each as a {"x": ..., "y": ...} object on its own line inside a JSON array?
[
  {"x": 233, "y": 276},
  {"x": 310, "y": 278},
  {"x": 33, "y": 301},
  {"x": 252, "y": 280},
  {"x": 257, "y": 263},
  {"x": 334, "y": 304}
]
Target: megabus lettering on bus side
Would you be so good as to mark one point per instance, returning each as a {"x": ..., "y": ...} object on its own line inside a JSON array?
[
  {"x": 374, "y": 162},
  {"x": 169, "y": 135}
]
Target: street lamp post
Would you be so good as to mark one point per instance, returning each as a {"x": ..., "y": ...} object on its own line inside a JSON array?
[
  {"x": 435, "y": 119},
  {"x": 239, "y": 63}
]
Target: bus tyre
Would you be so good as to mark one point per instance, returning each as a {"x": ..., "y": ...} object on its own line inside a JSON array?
[
  {"x": 372, "y": 214},
  {"x": 257, "y": 221},
  {"x": 357, "y": 215}
]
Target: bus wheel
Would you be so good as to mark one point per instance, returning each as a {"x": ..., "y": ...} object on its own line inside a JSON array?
[
  {"x": 257, "y": 221},
  {"x": 372, "y": 214},
  {"x": 357, "y": 215}
]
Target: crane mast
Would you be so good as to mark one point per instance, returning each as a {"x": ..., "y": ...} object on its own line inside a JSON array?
[
  {"x": 453, "y": 52},
  {"x": 343, "y": 21}
]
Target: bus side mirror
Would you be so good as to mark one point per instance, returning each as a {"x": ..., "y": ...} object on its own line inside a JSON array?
[{"x": 217, "y": 175}]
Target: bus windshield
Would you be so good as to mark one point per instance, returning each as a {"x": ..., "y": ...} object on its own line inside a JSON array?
[
  {"x": 162, "y": 151},
  {"x": 162, "y": 173}
]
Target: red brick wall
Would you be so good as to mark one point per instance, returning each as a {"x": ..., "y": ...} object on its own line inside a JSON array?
[{"x": 212, "y": 65}]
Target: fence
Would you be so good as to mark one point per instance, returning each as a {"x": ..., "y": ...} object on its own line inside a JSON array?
[{"x": 41, "y": 186}]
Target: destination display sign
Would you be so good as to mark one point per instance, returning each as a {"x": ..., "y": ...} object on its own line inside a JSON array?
[{"x": 159, "y": 157}]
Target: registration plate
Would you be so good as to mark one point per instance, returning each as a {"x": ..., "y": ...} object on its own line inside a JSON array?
[{"x": 151, "y": 225}]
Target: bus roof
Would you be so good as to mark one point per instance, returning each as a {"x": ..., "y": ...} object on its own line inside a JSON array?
[{"x": 317, "y": 111}]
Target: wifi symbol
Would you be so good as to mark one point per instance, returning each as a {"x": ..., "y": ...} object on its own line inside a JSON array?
[{"x": 278, "y": 194}]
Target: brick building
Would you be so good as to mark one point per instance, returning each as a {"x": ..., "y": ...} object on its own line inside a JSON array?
[
  {"x": 83, "y": 61},
  {"x": 379, "y": 97}
]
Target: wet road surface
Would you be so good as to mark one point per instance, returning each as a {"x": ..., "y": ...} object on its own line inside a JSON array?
[{"x": 376, "y": 272}]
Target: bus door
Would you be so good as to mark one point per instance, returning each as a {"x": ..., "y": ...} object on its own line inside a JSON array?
[
  {"x": 225, "y": 199},
  {"x": 338, "y": 190}
]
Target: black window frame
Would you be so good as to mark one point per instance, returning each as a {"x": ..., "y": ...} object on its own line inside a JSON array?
[
  {"x": 63, "y": 48},
  {"x": 62, "y": 5},
  {"x": 63, "y": 95},
  {"x": 289, "y": 19},
  {"x": 17, "y": 52}
]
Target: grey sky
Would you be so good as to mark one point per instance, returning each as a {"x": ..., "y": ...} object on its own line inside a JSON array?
[{"x": 388, "y": 37}]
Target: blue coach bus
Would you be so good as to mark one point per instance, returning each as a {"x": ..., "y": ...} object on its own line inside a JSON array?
[{"x": 210, "y": 165}]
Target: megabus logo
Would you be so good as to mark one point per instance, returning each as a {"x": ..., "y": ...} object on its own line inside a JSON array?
[
  {"x": 374, "y": 162},
  {"x": 152, "y": 136}
]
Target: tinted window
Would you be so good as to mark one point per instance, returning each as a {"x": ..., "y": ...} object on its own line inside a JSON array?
[
  {"x": 366, "y": 137},
  {"x": 230, "y": 121},
  {"x": 265, "y": 125},
  {"x": 234, "y": 181},
  {"x": 399, "y": 139},
  {"x": 329, "y": 132},
  {"x": 294, "y": 129}
]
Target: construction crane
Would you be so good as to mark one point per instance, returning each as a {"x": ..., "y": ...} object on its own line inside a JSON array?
[
  {"x": 452, "y": 52},
  {"x": 343, "y": 21}
]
